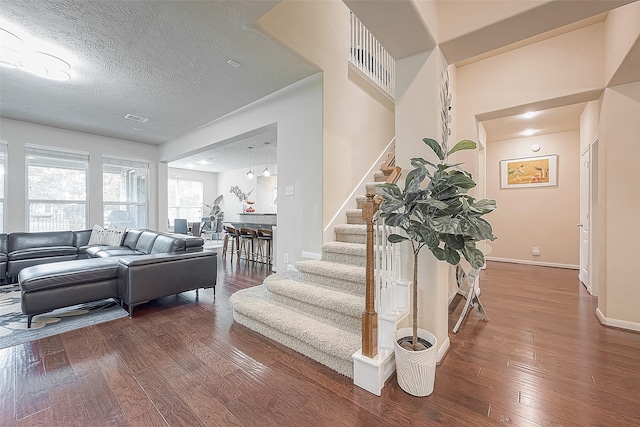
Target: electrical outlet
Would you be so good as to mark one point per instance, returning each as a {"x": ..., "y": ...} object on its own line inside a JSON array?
[
  {"x": 286, "y": 257},
  {"x": 535, "y": 251}
]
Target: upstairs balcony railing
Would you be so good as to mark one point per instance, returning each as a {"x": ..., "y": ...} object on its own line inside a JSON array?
[{"x": 369, "y": 57}]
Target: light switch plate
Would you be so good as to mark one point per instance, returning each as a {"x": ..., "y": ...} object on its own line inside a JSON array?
[{"x": 288, "y": 190}]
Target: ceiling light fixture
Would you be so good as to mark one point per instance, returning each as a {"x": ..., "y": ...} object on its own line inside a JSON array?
[
  {"x": 528, "y": 132},
  {"x": 250, "y": 173},
  {"x": 203, "y": 162},
  {"x": 266, "y": 171},
  {"x": 31, "y": 57},
  {"x": 233, "y": 63},
  {"x": 529, "y": 114}
]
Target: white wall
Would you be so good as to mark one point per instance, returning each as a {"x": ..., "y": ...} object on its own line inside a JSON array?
[
  {"x": 417, "y": 116},
  {"x": 619, "y": 196},
  {"x": 297, "y": 111},
  {"x": 231, "y": 205},
  {"x": 18, "y": 133}
]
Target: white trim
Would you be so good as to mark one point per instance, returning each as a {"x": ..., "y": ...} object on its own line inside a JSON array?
[
  {"x": 615, "y": 323},
  {"x": 371, "y": 374},
  {"x": 311, "y": 255},
  {"x": 442, "y": 351},
  {"x": 541, "y": 264},
  {"x": 351, "y": 198}
]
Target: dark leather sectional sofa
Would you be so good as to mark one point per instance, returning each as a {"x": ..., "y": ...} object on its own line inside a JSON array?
[{"x": 59, "y": 269}]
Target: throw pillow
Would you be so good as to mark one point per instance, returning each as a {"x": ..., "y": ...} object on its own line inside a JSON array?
[
  {"x": 115, "y": 235},
  {"x": 97, "y": 235}
]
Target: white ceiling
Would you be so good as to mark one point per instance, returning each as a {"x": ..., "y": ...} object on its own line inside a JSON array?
[
  {"x": 548, "y": 121},
  {"x": 162, "y": 60}
]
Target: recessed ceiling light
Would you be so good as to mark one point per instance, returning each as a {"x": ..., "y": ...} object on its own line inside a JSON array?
[
  {"x": 203, "y": 162},
  {"x": 529, "y": 114},
  {"x": 233, "y": 63},
  {"x": 528, "y": 132}
]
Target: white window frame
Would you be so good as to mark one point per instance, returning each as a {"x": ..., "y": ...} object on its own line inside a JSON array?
[
  {"x": 132, "y": 164},
  {"x": 4, "y": 152},
  {"x": 178, "y": 180},
  {"x": 60, "y": 154}
]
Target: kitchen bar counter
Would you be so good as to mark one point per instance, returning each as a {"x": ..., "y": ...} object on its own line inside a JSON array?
[{"x": 258, "y": 218}]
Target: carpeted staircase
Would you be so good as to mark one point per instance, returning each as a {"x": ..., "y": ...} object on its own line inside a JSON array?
[{"x": 317, "y": 310}]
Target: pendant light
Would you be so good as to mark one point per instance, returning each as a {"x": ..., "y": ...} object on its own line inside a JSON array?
[
  {"x": 266, "y": 171},
  {"x": 250, "y": 173}
]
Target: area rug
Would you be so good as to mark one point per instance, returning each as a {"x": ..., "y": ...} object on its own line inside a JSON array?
[{"x": 13, "y": 324}]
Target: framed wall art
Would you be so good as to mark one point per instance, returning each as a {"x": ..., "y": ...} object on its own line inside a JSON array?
[{"x": 529, "y": 172}]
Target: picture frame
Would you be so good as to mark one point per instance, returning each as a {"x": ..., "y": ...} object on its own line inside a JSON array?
[{"x": 526, "y": 172}]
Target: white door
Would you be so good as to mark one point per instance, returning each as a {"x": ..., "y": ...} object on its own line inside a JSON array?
[{"x": 584, "y": 219}]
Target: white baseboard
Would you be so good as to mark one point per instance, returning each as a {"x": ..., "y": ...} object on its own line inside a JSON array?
[
  {"x": 541, "y": 264},
  {"x": 444, "y": 348},
  {"x": 615, "y": 323}
]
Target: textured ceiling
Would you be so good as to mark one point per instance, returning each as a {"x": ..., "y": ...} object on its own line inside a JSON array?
[{"x": 162, "y": 60}]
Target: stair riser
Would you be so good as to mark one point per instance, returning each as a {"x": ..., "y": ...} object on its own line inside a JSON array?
[
  {"x": 343, "y": 285},
  {"x": 351, "y": 238},
  {"x": 360, "y": 261},
  {"x": 354, "y": 219}
]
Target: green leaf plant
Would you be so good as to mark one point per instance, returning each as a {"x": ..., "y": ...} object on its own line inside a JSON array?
[{"x": 439, "y": 215}]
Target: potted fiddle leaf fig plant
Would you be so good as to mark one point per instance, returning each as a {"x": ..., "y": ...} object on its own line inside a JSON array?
[{"x": 443, "y": 217}]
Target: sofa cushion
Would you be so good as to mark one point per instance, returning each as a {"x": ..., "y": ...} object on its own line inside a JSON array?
[
  {"x": 145, "y": 242},
  {"x": 131, "y": 238},
  {"x": 121, "y": 251},
  {"x": 26, "y": 240},
  {"x": 67, "y": 273},
  {"x": 168, "y": 244},
  {"x": 44, "y": 252}
]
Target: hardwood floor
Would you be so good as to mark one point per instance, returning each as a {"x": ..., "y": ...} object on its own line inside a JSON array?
[{"x": 542, "y": 359}]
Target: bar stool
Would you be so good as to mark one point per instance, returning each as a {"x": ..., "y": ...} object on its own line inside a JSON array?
[
  {"x": 247, "y": 238},
  {"x": 230, "y": 233},
  {"x": 264, "y": 239}
]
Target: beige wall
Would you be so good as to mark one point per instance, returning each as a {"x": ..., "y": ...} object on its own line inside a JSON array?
[
  {"x": 418, "y": 109},
  {"x": 544, "y": 217},
  {"x": 358, "y": 121},
  {"x": 619, "y": 203},
  {"x": 622, "y": 30}
]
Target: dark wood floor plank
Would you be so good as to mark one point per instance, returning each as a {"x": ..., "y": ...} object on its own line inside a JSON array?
[
  {"x": 542, "y": 359},
  {"x": 169, "y": 404},
  {"x": 7, "y": 409},
  {"x": 100, "y": 402},
  {"x": 42, "y": 418},
  {"x": 150, "y": 418}
]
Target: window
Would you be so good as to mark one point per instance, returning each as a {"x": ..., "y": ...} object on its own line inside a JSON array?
[
  {"x": 185, "y": 200},
  {"x": 125, "y": 185},
  {"x": 3, "y": 162},
  {"x": 56, "y": 189}
]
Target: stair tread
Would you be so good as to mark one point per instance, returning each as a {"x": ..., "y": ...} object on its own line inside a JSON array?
[
  {"x": 351, "y": 228},
  {"x": 345, "y": 248},
  {"x": 334, "y": 270},
  {"x": 332, "y": 299},
  {"x": 331, "y": 340}
]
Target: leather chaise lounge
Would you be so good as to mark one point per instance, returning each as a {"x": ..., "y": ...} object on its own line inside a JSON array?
[{"x": 148, "y": 265}]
